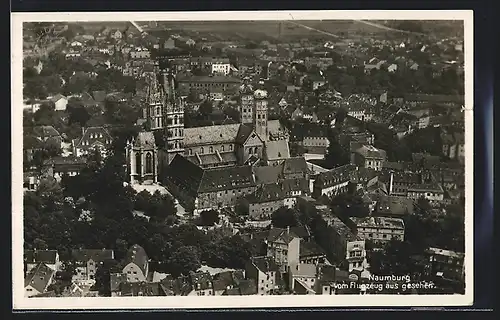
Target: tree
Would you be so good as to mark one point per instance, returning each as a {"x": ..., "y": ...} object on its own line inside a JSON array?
[
  {"x": 232, "y": 113},
  {"x": 284, "y": 217},
  {"x": 206, "y": 108},
  {"x": 350, "y": 205},
  {"x": 103, "y": 276},
  {"x": 241, "y": 207},
  {"x": 161, "y": 206},
  {"x": 34, "y": 89},
  {"x": 50, "y": 193},
  {"x": 29, "y": 72},
  {"x": 78, "y": 114},
  {"x": 45, "y": 115},
  {"x": 117, "y": 112},
  {"x": 335, "y": 155},
  {"x": 209, "y": 217},
  {"x": 184, "y": 260}
]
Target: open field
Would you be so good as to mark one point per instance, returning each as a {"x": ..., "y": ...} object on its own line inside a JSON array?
[{"x": 292, "y": 29}]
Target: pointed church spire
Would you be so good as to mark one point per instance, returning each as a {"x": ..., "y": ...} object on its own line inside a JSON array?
[{"x": 154, "y": 93}]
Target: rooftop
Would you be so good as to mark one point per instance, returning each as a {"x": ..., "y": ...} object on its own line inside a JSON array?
[{"x": 379, "y": 222}]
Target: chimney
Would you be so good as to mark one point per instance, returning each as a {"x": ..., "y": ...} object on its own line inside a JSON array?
[
  {"x": 288, "y": 229},
  {"x": 391, "y": 182},
  {"x": 83, "y": 131}
]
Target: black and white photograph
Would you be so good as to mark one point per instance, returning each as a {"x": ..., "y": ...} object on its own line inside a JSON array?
[{"x": 194, "y": 158}]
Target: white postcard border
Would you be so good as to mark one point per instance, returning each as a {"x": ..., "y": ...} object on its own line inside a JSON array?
[{"x": 22, "y": 303}]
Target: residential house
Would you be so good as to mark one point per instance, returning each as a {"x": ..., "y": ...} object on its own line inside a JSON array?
[
  {"x": 227, "y": 280},
  {"x": 265, "y": 200},
  {"x": 446, "y": 263},
  {"x": 380, "y": 229},
  {"x": 116, "y": 281},
  {"x": 201, "y": 84},
  {"x": 87, "y": 261},
  {"x": 47, "y": 134},
  {"x": 169, "y": 44},
  {"x": 140, "y": 53},
  {"x": 453, "y": 145},
  {"x": 245, "y": 287},
  {"x": 432, "y": 191},
  {"x": 284, "y": 247},
  {"x": 201, "y": 189},
  {"x": 343, "y": 234},
  {"x": 93, "y": 138},
  {"x": 58, "y": 167},
  {"x": 356, "y": 255},
  {"x": 311, "y": 253},
  {"x": 392, "y": 68},
  {"x": 373, "y": 64},
  {"x": 276, "y": 152},
  {"x": 142, "y": 289},
  {"x": 117, "y": 35},
  {"x": 312, "y": 137},
  {"x": 60, "y": 102},
  {"x": 38, "y": 280},
  {"x": 333, "y": 182},
  {"x": 331, "y": 280},
  {"x": 369, "y": 157},
  {"x": 265, "y": 272},
  {"x": 393, "y": 206},
  {"x": 136, "y": 264},
  {"x": 202, "y": 284},
  {"x": 221, "y": 67},
  {"x": 50, "y": 258},
  {"x": 448, "y": 100},
  {"x": 302, "y": 278}
]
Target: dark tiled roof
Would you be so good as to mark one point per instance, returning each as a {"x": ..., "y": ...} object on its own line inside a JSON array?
[
  {"x": 39, "y": 277},
  {"x": 145, "y": 139},
  {"x": 393, "y": 205},
  {"x": 243, "y": 133},
  {"x": 61, "y": 161},
  {"x": 135, "y": 289},
  {"x": 265, "y": 264},
  {"x": 291, "y": 185},
  {"x": 93, "y": 136},
  {"x": 227, "y": 279},
  {"x": 300, "y": 131},
  {"x": 30, "y": 142},
  {"x": 267, "y": 174},
  {"x": 295, "y": 165},
  {"x": 267, "y": 193},
  {"x": 226, "y": 179},
  {"x": 310, "y": 248},
  {"x": 434, "y": 98},
  {"x": 371, "y": 152},
  {"x": 335, "y": 176},
  {"x": 116, "y": 279},
  {"x": 185, "y": 175},
  {"x": 99, "y": 96},
  {"x": 97, "y": 255},
  {"x": 209, "y": 79},
  {"x": 45, "y": 132},
  {"x": 201, "y": 280},
  {"x": 224, "y": 133},
  {"x": 37, "y": 256},
  {"x": 177, "y": 287},
  {"x": 277, "y": 149},
  {"x": 277, "y": 233},
  {"x": 137, "y": 255}
]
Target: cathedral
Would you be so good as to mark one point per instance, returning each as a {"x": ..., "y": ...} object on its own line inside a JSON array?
[{"x": 255, "y": 140}]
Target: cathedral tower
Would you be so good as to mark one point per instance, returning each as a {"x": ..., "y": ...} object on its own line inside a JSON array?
[
  {"x": 246, "y": 104},
  {"x": 260, "y": 116},
  {"x": 173, "y": 130},
  {"x": 153, "y": 110}
]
